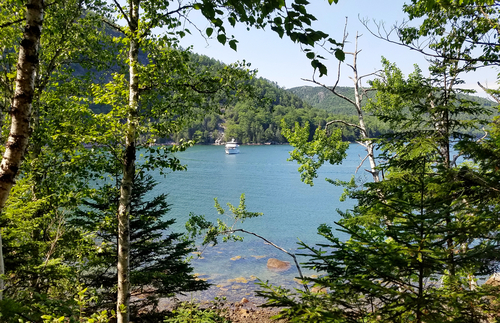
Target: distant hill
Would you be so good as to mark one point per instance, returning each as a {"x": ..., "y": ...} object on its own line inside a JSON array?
[{"x": 321, "y": 98}]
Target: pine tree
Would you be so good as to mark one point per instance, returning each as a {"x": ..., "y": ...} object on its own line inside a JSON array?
[
  {"x": 419, "y": 237},
  {"x": 158, "y": 265}
]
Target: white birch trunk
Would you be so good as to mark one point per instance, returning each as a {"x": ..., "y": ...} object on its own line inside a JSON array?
[
  {"x": 123, "y": 266},
  {"x": 17, "y": 141}
]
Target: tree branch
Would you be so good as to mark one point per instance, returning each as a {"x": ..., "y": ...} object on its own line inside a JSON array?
[
  {"x": 277, "y": 247},
  {"x": 122, "y": 11},
  {"x": 345, "y": 123},
  {"x": 10, "y": 23},
  {"x": 493, "y": 96},
  {"x": 112, "y": 25},
  {"x": 421, "y": 47},
  {"x": 361, "y": 164}
]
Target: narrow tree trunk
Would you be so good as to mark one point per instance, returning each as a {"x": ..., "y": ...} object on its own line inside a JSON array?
[
  {"x": 123, "y": 266},
  {"x": 21, "y": 105},
  {"x": 359, "y": 109}
]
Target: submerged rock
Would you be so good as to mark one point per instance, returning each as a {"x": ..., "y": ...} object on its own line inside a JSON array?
[{"x": 278, "y": 265}]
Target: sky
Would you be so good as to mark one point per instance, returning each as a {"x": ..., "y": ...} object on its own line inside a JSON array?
[{"x": 283, "y": 62}]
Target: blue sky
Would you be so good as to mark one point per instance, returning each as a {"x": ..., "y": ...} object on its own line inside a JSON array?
[{"x": 282, "y": 61}]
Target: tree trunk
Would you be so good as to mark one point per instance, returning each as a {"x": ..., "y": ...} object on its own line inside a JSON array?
[
  {"x": 123, "y": 266},
  {"x": 17, "y": 141},
  {"x": 368, "y": 144}
]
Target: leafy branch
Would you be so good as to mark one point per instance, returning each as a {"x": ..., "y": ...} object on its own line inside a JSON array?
[{"x": 197, "y": 226}]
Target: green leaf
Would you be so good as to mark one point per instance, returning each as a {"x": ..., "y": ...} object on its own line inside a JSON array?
[
  {"x": 232, "y": 44},
  {"x": 340, "y": 55},
  {"x": 209, "y": 31},
  {"x": 221, "y": 38},
  {"x": 310, "y": 55}
]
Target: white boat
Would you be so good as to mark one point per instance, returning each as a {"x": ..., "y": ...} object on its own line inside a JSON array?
[{"x": 232, "y": 147}]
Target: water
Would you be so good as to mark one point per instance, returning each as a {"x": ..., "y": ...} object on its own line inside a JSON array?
[{"x": 292, "y": 210}]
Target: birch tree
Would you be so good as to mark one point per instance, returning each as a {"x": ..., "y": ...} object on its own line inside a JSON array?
[
  {"x": 141, "y": 17},
  {"x": 20, "y": 111},
  {"x": 23, "y": 96}
]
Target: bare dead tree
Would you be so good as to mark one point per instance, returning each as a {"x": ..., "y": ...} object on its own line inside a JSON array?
[{"x": 360, "y": 93}]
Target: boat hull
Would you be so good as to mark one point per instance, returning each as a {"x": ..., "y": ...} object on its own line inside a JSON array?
[
  {"x": 231, "y": 151},
  {"x": 232, "y": 147}
]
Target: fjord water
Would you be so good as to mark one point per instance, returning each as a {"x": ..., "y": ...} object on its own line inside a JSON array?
[{"x": 271, "y": 184}]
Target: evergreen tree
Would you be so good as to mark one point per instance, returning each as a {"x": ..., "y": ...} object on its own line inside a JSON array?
[
  {"x": 157, "y": 258},
  {"x": 418, "y": 238}
]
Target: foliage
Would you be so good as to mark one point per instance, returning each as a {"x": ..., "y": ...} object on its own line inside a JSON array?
[
  {"x": 255, "y": 120},
  {"x": 158, "y": 266},
  {"x": 82, "y": 300},
  {"x": 192, "y": 313},
  {"x": 198, "y": 225},
  {"x": 43, "y": 255},
  {"x": 418, "y": 238},
  {"x": 463, "y": 30},
  {"x": 310, "y": 155}
]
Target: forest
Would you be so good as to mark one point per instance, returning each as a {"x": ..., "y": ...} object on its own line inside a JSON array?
[
  {"x": 260, "y": 122},
  {"x": 93, "y": 98},
  {"x": 257, "y": 120}
]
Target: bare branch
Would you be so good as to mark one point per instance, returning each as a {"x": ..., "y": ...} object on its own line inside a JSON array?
[
  {"x": 495, "y": 97},
  {"x": 114, "y": 26},
  {"x": 421, "y": 47},
  {"x": 122, "y": 11},
  {"x": 277, "y": 247},
  {"x": 369, "y": 74},
  {"x": 330, "y": 89},
  {"x": 361, "y": 164},
  {"x": 345, "y": 123}
]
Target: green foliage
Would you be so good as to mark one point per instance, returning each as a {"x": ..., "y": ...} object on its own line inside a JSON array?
[
  {"x": 290, "y": 19},
  {"x": 421, "y": 236},
  {"x": 321, "y": 98},
  {"x": 190, "y": 312},
  {"x": 310, "y": 155},
  {"x": 157, "y": 257},
  {"x": 197, "y": 225},
  {"x": 255, "y": 120},
  {"x": 82, "y": 301},
  {"x": 456, "y": 29},
  {"x": 43, "y": 255}
]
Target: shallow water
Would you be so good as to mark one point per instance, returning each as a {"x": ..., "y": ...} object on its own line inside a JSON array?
[{"x": 292, "y": 210}]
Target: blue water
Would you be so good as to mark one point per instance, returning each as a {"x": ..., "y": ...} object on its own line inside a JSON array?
[{"x": 292, "y": 210}]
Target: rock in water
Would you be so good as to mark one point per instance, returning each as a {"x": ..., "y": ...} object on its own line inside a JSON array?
[
  {"x": 278, "y": 265},
  {"x": 494, "y": 280}
]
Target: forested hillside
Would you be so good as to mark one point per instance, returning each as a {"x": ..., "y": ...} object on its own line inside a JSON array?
[
  {"x": 321, "y": 98},
  {"x": 258, "y": 120}
]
